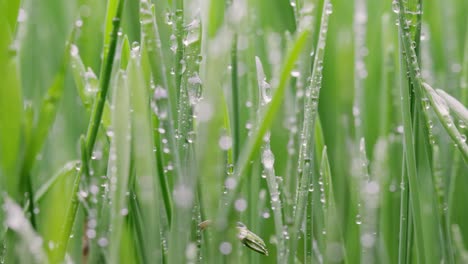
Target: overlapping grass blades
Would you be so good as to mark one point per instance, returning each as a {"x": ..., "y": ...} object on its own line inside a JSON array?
[{"x": 209, "y": 110}]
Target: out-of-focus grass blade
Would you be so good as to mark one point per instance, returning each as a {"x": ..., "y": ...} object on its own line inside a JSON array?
[
  {"x": 216, "y": 16},
  {"x": 137, "y": 224},
  {"x": 28, "y": 244},
  {"x": 9, "y": 14},
  {"x": 147, "y": 185},
  {"x": 442, "y": 111},
  {"x": 462, "y": 253},
  {"x": 46, "y": 187},
  {"x": 124, "y": 53},
  {"x": 333, "y": 247},
  {"x": 46, "y": 118},
  {"x": 11, "y": 109},
  {"x": 119, "y": 164},
  {"x": 42, "y": 128},
  {"x": 56, "y": 198},
  {"x": 277, "y": 15}
]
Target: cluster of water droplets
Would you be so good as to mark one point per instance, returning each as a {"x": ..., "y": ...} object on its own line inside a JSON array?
[{"x": 146, "y": 16}]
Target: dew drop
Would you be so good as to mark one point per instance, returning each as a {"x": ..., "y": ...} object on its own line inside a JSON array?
[
  {"x": 295, "y": 74},
  {"x": 225, "y": 248},
  {"x": 264, "y": 86},
  {"x": 358, "y": 219},
  {"x": 367, "y": 240},
  {"x": 225, "y": 142},
  {"x": 240, "y": 205},
  {"x": 230, "y": 183},
  {"x": 268, "y": 159},
  {"x": 73, "y": 50},
  {"x": 329, "y": 8},
  {"x": 103, "y": 242}
]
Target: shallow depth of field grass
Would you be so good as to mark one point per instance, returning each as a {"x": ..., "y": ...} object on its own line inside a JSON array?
[{"x": 333, "y": 130}]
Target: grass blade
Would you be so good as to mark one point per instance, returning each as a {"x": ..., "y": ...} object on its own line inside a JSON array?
[
  {"x": 10, "y": 110},
  {"x": 268, "y": 160},
  {"x": 440, "y": 107},
  {"x": 119, "y": 165},
  {"x": 460, "y": 110},
  {"x": 147, "y": 186},
  {"x": 105, "y": 77},
  {"x": 307, "y": 136},
  {"x": 255, "y": 141}
]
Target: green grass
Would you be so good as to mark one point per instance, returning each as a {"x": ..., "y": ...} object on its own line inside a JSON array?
[{"x": 334, "y": 130}]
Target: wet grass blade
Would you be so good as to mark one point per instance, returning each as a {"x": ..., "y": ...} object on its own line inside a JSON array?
[
  {"x": 87, "y": 144},
  {"x": 119, "y": 164},
  {"x": 456, "y": 106},
  {"x": 442, "y": 110},
  {"x": 105, "y": 77},
  {"x": 87, "y": 85},
  {"x": 306, "y": 150}
]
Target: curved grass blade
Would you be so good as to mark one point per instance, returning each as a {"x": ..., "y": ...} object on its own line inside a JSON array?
[
  {"x": 45, "y": 188},
  {"x": 459, "y": 244},
  {"x": 442, "y": 110},
  {"x": 64, "y": 214},
  {"x": 456, "y": 106},
  {"x": 87, "y": 85}
]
